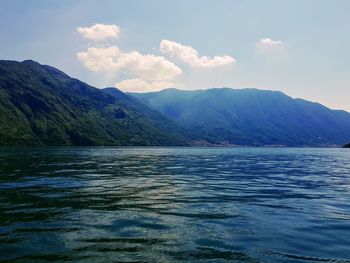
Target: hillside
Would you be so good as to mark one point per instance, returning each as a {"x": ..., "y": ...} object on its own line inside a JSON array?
[
  {"x": 40, "y": 105},
  {"x": 251, "y": 117}
]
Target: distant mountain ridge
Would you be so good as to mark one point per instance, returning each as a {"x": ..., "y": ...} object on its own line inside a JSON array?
[
  {"x": 40, "y": 105},
  {"x": 253, "y": 117}
]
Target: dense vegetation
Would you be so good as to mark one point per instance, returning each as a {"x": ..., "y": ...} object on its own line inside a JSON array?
[
  {"x": 40, "y": 105},
  {"x": 251, "y": 117},
  {"x": 346, "y": 145}
]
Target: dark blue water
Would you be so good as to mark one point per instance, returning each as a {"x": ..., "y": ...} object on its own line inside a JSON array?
[{"x": 174, "y": 205}]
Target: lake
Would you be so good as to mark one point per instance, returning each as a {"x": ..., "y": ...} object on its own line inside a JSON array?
[{"x": 96, "y": 204}]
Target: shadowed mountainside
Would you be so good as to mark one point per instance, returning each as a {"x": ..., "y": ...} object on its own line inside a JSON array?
[
  {"x": 40, "y": 105},
  {"x": 251, "y": 117}
]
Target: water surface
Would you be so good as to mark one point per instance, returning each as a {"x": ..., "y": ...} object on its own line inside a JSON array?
[{"x": 174, "y": 205}]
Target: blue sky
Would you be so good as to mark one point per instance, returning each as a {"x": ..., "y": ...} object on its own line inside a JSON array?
[{"x": 300, "y": 47}]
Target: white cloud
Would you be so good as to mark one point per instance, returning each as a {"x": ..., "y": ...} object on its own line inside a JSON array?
[
  {"x": 190, "y": 56},
  {"x": 145, "y": 67},
  {"x": 99, "y": 32},
  {"x": 270, "y": 42},
  {"x": 269, "y": 46},
  {"x": 138, "y": 85}
]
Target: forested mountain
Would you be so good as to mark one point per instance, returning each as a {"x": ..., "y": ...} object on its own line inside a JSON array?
[
  {"x": 251, "y": 117},
  {"x": 40, "y": 105}
]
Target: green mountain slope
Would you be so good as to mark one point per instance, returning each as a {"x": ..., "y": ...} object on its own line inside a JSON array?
[
  {"x": 40, "y": 105},
  {"x": 157, "y": 118},
  {"x": 251, "y": 117}
]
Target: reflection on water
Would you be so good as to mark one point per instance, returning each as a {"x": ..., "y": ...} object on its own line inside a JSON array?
[{"x": 174, "y": 205}]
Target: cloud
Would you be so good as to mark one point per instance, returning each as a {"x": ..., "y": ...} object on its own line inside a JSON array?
[
  {"x": 269, "y": 46},
  {"x": 99, "y": 32},
  {"x": 270, "y": 42},
  {"x": 190, "y": 56},
  {"x": 138, "y": 85},
  {"x": 145, "y": 67}
]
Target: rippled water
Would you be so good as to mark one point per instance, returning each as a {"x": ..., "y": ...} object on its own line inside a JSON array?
[{"x": 174, "y": 205}]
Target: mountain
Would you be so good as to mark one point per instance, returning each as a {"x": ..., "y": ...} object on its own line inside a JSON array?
[
  {"x": 251, "y": 117},
  {"x": 346, "y": 145},
  {"x": 153, "y": 115},
  {"x": 40, "y": 105}
]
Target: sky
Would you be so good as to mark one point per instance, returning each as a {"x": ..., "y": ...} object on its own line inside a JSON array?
[{"x": 299, "y": 47}]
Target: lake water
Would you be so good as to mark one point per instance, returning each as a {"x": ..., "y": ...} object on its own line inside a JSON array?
[{"x": 174, "y": 205}]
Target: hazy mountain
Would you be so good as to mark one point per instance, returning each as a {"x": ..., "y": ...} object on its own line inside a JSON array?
[
  {"x": 251, "y": 117},
  {"x": 157, "y": 118},
  {"x": 40, "y": 105}
]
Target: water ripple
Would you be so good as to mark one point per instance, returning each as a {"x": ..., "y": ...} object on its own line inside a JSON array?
[{"x": 94, "y": 204}]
